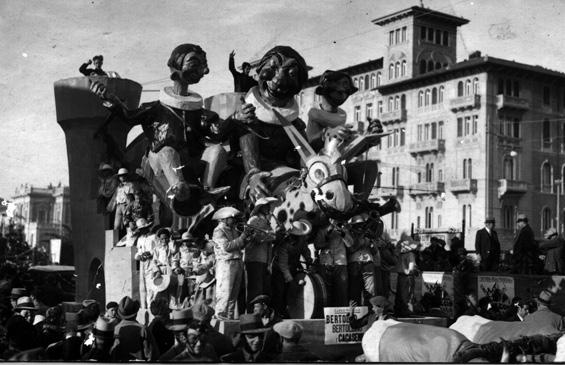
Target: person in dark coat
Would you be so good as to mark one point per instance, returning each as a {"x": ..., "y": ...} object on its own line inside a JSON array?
[
  {"x": 259, "y": 344},
  {"x": 164, "y": 339},
  {"x": 380, "y": 309},
  {"x": 97, "y": 61},
  {"x": 544, "y": 318},
  {"x": 103, "y": 340},
  {"x": 553, "y": 247},
  {"x": 202, "y": 314},
  {"x": 290, "y": 333},
  {"x": 242, "y": 82},
  {"x": 196, "y": 348},
  {"x": 525, "y": 252},
  {"x": 487, "y": 246}
]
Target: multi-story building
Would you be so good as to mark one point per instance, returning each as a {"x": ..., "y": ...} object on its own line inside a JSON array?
[
  {"x": 479, "y": 137},
  {"x": 45, "y": 213}
]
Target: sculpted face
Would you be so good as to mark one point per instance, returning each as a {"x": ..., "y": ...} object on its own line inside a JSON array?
[
  {"x": 194, "y": 67},
  {"x": 337, "y": 91},
  {"x": 279, "y": 78},
  {"x": 328, "y": 181}
]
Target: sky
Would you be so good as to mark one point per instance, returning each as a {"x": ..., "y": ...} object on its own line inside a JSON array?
[{"x": 43, "y": 41}]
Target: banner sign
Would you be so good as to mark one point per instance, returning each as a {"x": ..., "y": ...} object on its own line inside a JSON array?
[
  {"x": 500, "y": 289},
  {"x": 336, "y": 325}
]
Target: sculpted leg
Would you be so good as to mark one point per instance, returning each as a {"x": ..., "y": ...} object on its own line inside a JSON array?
[{"x": 216, "y": 161}]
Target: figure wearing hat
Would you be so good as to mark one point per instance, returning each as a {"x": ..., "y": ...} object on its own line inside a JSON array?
[
  {"x": 286, "y": 261},
  {"x": 17, "y": 293},
  {"x": 259, "y": 252},
  {"x": 228, "y": 246},
  {"x": 108, "y": 184},
  {"x": 124, "y": 188},
  {"x": 202, "y": 314},
  {"x": 162, "y": 256},
  {"x": 103, "y": 333},
  {"x": 525, "y": 249},
  {"x": 553, "y": 247},
  {"x": 544, "y": 318},
  {"x": 290, "y": 333},
  {"x": 178, "y": 323},
  {"x": 487, "y": 246},
  {"x": 184, "y": 254},
  {"x": 258, "y": 343},
  {"x": 145, "y": 246},
  {"x": 380, "y": 310},
  {"x": 360, "y": 265},
  {"x": 132, "y": 340}
]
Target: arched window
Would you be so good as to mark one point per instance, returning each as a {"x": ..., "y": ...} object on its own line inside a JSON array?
[
  {"x": 467, "y": 87},
  {"x": 373, "y": 81},
  {"x": 361, "y": 83},
  {"x": 440, "y": 95},
  {"x": 390, "y": 71},
  {"x": 396, "y": 102},
  {"x": 403, "y": 102},
  {"x": 379, "y": 78},
  {"x": 469, "y": 169},
  {"x": 546, "y": 219},
  {"x": 546, "y": 134},
  {"x": 434, "y": 96},
  {"x": 546, "y": 179},
  {"x": 397, "y": 70},
  {"x": 427, "y": 99},
  {"x": 356, "y": 82},
  {"x": 475, "y": 86},
  {"x": 403, "y": 70},
  {"x": 464, "y": 168},
  {"x": 460, "y": 88},
  {"x": 508, "y": 168},
  {"x": 438, "y": 65},
  {"x": 366, "y": 82},
  {"x": 420, "y": 99},
  {"x": 430, "y": 65},
  {"x": 390, "y": 103},
  {"x": 422, "y": 66}
]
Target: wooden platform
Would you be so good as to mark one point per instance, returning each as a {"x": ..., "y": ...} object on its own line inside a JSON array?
[{"x": 313, "y": 336}]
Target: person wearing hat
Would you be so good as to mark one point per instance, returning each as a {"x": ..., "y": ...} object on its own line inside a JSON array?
[
  {"x": 228, "y": 246},
  {"x": 286, "y": 262},
  {"x": 290, "y": 333},
  {"x": 203, "y": 313},
  {"x": 242, "y": 82},
  {"x": 145, "y": 246},
  {"x": 261, "y": 307},
  {"x": 161, "y": 261},
  {"x": 258, "y": 343},
  {"x": 184, "y": 254},
  {"x": 360, "y": 267},
  {"x": 406, "y": 269},
  {"x": 525, "y": 250},
  {"x": 52, "y": 330},
  {"x": 108, "y": 184},
  {"x": 196, "y": 349},
  {"x": 164, "y": 338},
  {"x": 103, "y": 333},
  {"x": 487, "y": 246},
  {"x": 132, "y": 340},
  {"x": 380, "y": 310},
  {"x": 17, "y": 293},
  {"x": 177, "y": 324},
  {"x": 25, "y": 308},
  {"x": 544, "y": 319},
  {"x": 124, "y": 188},
  {"x": 20, "y": 335},
  {"x": 259, "y": 252},
  {"x": 552, "y": 246},
  {"x": 111, "y": 314},
  {"x": 331, "y": 244}
]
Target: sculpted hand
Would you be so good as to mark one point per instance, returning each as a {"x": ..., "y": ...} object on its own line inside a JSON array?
[
  {"x": 246, "y": 113},
  {"x": 257, "y": 185},
  {"x": 99, "y": 89},
  {"x": 343, "y": 131}
]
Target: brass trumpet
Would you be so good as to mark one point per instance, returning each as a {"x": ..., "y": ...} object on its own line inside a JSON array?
[{"x": 241, "y": 226}]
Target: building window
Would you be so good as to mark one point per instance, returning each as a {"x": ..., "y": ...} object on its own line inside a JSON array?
[
  {"x": 546, "y": 95},
  {"x": 440, "y": 130},
  {"x": 395, "y": 176},
  {"x": 402, "y": 136},
  {"x": 445, "y": 38},
  {"x": 509, "y": 87},
  {"x": 546, "y": 138},
  {"x": 361, "y": 83},
  {"x": 390, "y": 104},
  {"x": 420, "y": 99},
  {"x": 403, "y": 69},
  {"x": 429, "y": 172},
  {"x": 439, "y": 220},
  {"x": 391, "y": 37},
  {"x": 440, "y": 94},
  {"x": 380, "y": 107},
  {"x": 508, "y": 217},
  {"x": 467, "y": 168},
  {"x": 419, "y": 132},
  {"x": 426, "y": 132},
  {"x": 403, "y": 38},
  {"x": 500, "y": 89},
  {"x": 430, "y": 35},
  {"x": 438, "y": 65},
  {"x": 367, "y": 82},
  {"x": 356, "y": 82},
  {"x": 390, "y": 71},
  {"x": 430, "y": 65},
  {"x": 397, "y": 102},
  {"x": 476, "y": 86},
  {"x": 379, "y": 78},
  {"x": 467, "y": 87},
  {"x": 434, "y": 130},
  {"x": 397, "y": 36},
  {"x": 429, "y": 214},
  {"x": 516, "y": 89},
  {"x": 373, "y": 81},
  {"x": 395, "y": 137},
  {"x": 467, "y": 125},
  {"x": 418, "y": 223},
  {"x": 460, "y": 88},
  {"x": 516, "y": 128},
  {"x": 440, "y": 175},
  {"x": 459, "y": 127},
  {"x": 394, "y": 220},
  {"x": 423, "y": 33},
  {"x": 546, "y": 177},
  {"x": 546, "y": 219},
  {"x": 357, "y": 113},
  {"x": 423, "y": 66},
  {"x": 508, "y": 168},
  {"x": 438, "y": 37},
  {"x": 369, "y": 111},
  {"x": 397, "y": 70},
  {"x": 475, "y": 124},
  {"x": 427, "y": 99}
]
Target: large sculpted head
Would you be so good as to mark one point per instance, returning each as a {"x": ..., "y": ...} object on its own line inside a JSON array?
[
  {"x": 282, "y": 72},
  {"x": 188, "y": 63},
  {"x": 335, "y": 87}
]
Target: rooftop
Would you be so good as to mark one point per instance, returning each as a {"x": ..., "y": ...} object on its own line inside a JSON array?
[
  {"x": 423, "y": 13},
  {"x": 370, "y": 65}
]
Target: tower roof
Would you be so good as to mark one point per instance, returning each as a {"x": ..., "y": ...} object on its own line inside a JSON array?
[{"x": 420, "y": 12}]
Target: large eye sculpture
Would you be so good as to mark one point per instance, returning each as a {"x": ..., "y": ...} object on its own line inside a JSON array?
[{"x": 318, "y": 171}]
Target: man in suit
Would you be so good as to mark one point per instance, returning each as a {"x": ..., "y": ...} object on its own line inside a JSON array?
[
  {"x": 525, "y": 251},
  {"x": 487, "y": 246}
]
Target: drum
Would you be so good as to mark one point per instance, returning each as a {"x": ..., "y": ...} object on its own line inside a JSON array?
[{"x": 307, "y": 301}]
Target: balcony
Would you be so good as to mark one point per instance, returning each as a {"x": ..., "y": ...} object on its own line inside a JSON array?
[
  {"x": 511, "y": 102},
  {"x": 465, "y": 102},
  {"x": 463, "y": 186},
  {"x": 511, "y": 187},
  {"x": 429, "y": 146},
  {"x": 395, "y": 116},
  {"x": 388, "y": 191},
  {"x": 427, "y": 188}
]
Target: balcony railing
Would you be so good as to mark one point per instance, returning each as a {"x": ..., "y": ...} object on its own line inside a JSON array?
[
  {"x": 394, "y": 116},
  {"x": 463, "y": 186},
  {"x": 429, "y": 146},
  {"x": 511, "y": 102},
  {"x": 427, "y": 188},
  {"x": 465, "y": 102},
  {"x": 508, "y": 187},
  {"x": 387, "y": 191}
]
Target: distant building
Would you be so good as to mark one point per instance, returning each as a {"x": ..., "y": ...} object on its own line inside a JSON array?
[
  {"x": 480, "y": 137},
  {"x": 45, "y": 213}
]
